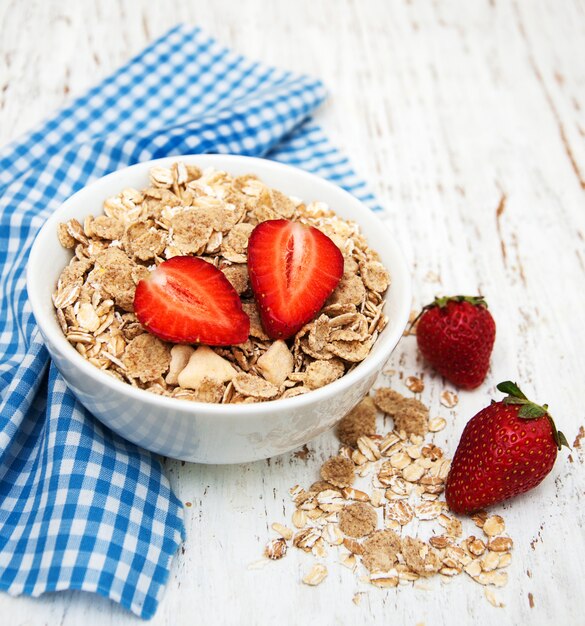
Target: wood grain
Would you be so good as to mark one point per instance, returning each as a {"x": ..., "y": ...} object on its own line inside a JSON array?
[{"x": 468, "y": 120}]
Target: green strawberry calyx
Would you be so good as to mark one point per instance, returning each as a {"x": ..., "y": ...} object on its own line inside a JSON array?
[
  {"x": 530, "y": 410},
  {"x": 443, "y": 301}
]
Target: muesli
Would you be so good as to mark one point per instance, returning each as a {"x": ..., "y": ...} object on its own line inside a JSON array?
[
  {"x": 395, "y": 529},
  {"x": 210, "y": 215}
]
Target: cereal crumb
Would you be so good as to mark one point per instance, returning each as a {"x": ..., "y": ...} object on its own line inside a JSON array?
[
  {"x": 338, "y": 471},
  {"x": 358, "y": 519},
  {"x": 358, "y": 422},
  {"x": 380, "y": 550},
  {"x": 420, "y": 557},
  {"x": 408, "y": 414}
]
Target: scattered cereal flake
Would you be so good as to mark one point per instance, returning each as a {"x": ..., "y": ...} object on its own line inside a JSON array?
[
  {"x": 338, "y": 471},
  {"x": 357, "y": 598},
  {"x": 437, "y": 424},
  {"x": 146, "y": 357},
  {"x": 495, "y": 578},
  {"x": 351, "y": 351},
  {"x": 451, "y": 525},
  {"x": 414, "y": 384},
  {"x": 429, "y": 510},
  {"x": 330, "y": 501},
  {"x": 237, "y": 275},
  {"x": 210, "y": 390},
  {"x": 305, "y": 539},
  {"x": 113, "y": 273},
  {"x": 254, "y": 386},
  {"x": 449, "y": 399},
  {"x": 475, "y": 546},
  {"x": 384, "y": 579},
  {"x": 494, "y": 525},
  {"x": 479, "y": 518},
  {"x": 275, "y": 549},
  {"x": 358, "y": 519},
  {"x": 489, "y": 561},
  {"x": 473, "y": 568},
  {"x": 355, "y": 547},
  {"x": 333, "y": 535},
  {"x": 375, "y": 276},
  {"x": 500, "y": 544},
  {"x": 505, "y": 560},
  {"x": 377, "y": 497},
  {"x": 106, "y": 227},
  {"x": 431, "y": 451},
  {"x": 349, "y": 493},
  {"x": 321, "y": 373},
  {"x": 75, "y": 230},
  {"x": 399, "y": 511},
  {"x": 439, "y": 542},
  {"x": 65, "y": 239},
  {"x": 368, "y": 448},
  {"x": 87, "y": 317},
  {"x": 350, "y": 290},
  {"x": 299, "y": 518},
  {"x": 282, "y": 530},
  {"x": 190, "y": 231},
  {"x": 358, "y": 422},
  {"x": 413, "y": 472},
  {"x": 235, "y": 244},
  {"x": 316, "y": 576},
  {"x": 400, "y": 460}
]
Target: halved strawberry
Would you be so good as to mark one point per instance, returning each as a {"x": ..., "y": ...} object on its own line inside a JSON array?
[
  {"x": 187, "y": 300},
  {"x": 293, "y": 269}
]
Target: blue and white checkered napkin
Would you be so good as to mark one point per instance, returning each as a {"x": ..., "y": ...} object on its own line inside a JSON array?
[{"x": 80, "y": 508}]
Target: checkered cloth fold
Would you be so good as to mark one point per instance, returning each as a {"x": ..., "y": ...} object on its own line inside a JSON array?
[{"x": 80, "y": 508}]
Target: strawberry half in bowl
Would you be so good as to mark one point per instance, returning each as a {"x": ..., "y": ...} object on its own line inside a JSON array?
[{"x": 191, "y": 429}]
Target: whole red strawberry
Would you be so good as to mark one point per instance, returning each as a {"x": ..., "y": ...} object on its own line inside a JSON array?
[
  {"x": 456, "y": 336},
  {"x": 505, "y": 450}
]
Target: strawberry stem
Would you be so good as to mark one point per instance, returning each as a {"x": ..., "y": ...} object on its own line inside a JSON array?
[{"x": 530, "y": 410}]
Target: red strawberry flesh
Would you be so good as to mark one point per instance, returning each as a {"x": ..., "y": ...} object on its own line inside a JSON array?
[
  {"x": 187, "y": 300},
  {"x": 293, "y": 269}
]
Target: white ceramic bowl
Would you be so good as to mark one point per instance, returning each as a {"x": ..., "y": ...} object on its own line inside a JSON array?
[{"x": 195, "y": 431}]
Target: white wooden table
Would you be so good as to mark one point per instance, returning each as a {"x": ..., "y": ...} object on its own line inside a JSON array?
[{"x": 468, "y": 119}]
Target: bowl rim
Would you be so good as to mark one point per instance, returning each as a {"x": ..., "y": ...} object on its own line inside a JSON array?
[{"x": 368, "y": 366}]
